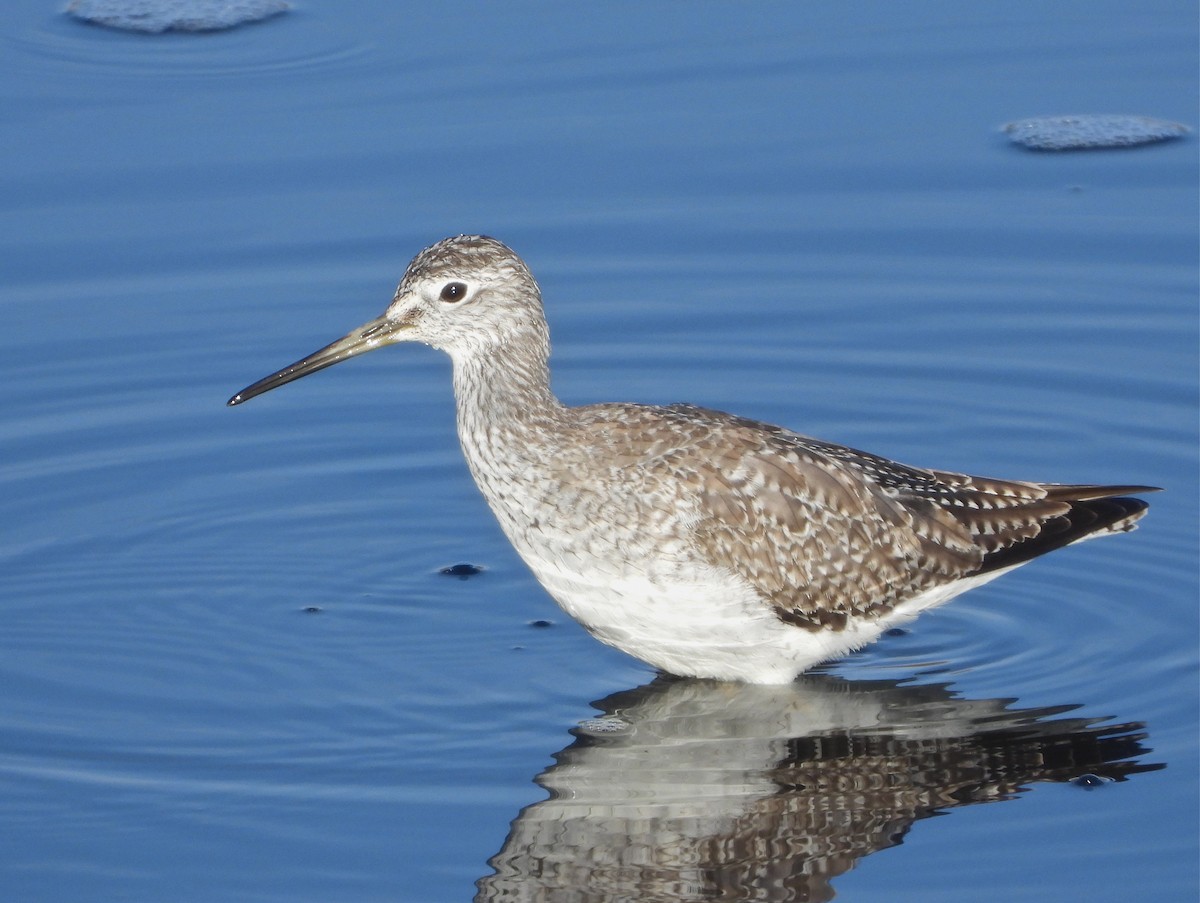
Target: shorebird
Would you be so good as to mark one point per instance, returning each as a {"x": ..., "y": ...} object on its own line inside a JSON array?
[{"x": 705, "y": 544}]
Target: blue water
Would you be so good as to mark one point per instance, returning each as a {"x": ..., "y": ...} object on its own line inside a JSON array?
[{"x": 800, "y": 214}]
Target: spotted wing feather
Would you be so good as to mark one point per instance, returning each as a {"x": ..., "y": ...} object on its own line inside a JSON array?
[{"x": 827, "y": 532}]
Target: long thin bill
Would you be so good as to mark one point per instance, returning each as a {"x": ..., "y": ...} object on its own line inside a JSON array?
[{"x": 366, "y": 338}]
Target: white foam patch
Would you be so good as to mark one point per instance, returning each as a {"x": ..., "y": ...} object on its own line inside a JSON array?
[
  {"x": 157, "y": 16},
  {"x": 1085, "y": 131}
]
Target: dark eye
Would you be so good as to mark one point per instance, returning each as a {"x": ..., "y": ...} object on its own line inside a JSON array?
[{"x": 454, "y": 291}]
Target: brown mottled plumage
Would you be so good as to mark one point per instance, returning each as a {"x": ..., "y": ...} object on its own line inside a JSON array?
[{"x": 706, "y": 544}]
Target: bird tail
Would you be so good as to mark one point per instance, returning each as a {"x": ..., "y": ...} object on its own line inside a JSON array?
[{"x": 1092, "y": 511}]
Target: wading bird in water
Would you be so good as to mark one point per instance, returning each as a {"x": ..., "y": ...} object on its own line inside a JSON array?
[{"x": 705, "y": 544}]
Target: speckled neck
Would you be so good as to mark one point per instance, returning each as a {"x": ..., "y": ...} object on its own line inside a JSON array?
[{"x": 503, "y": 396}]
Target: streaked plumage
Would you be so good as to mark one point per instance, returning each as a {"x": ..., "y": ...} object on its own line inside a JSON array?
[{"x": 706, "y": 544}]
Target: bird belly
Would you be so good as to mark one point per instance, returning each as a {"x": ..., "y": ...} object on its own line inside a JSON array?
[{"x": 710, "y": 625}]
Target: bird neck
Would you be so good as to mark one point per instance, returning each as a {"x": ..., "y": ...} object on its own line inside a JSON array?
[{"x": 503, "y": 391}]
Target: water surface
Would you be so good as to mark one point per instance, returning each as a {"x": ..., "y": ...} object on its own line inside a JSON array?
[{"x": 231, "y": 666}]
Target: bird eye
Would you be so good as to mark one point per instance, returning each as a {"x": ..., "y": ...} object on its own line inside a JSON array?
[{"x": 454, "y": 291}]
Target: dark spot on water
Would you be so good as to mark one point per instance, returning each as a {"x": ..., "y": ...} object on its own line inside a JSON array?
[
  {"x": 896, "y": 631},
  {"x": 541, "y": 622},
  {"x": 461, "y": 571},
  {"x": 312, "y": 609},
  {"x": 1091, "y": 781}
]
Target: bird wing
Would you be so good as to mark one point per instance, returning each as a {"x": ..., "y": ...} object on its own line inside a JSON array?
[
  {"x": 816, "y": 538},
  {"x": 827, "y": 533}
]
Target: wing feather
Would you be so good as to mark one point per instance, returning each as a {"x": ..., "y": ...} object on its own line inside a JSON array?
[{"x": 826, "y": 532}]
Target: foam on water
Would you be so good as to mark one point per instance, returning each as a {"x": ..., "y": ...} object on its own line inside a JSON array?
[
  {"x": 1091, "y": 131},
  {"x": 158, "y": 16}
]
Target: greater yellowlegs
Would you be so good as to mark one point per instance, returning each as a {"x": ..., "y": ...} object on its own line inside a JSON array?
[{"x": 705, "y": 544}]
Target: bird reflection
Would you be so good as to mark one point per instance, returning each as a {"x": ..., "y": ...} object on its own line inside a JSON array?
[{"x": 700, "y": 790}]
